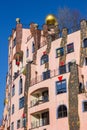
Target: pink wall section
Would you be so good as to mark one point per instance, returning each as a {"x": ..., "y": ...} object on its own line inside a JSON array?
[{"x": 55, "y": 100}]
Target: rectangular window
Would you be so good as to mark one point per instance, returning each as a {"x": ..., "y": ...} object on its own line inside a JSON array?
[
  {"x": 85, "y": 106},
  {"x": 59, "y": 52},
  {"x": 70, "y": 48},
  {"x": 61, "y": 86},
  {"x": 62, "y": 69},
  {"x": 12, "y": 126},
  {"x": 69, "y": 66},
  {"x": 86, "y": 61},
  {"x": 18, "y": 124},
  {"x": 14, "y": 42},
  {"x": 12, "y": 108},
  {"x": 13, "y": 90},
  {"x": 23, "y": 122},
  {"x": 85, "y": 43},
  {"x": 33, "y": 47},
  {"x": 21, "y": 102},
  {"x": 46, "y": 75}
]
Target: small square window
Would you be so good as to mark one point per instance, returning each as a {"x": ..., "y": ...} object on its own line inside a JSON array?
[
  {"x": 46, "y": 75},
  {"x": 62, "y": 69},
  {"x": 59, "y": 52},
  {"x": 70, "y": 48}
]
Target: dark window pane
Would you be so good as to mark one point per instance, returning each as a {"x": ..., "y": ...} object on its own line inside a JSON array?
[
  {"x": 21, "y": 102},
  {"x": 46, "y": 75},
  {"x": 44, "y": 59},
  {"x": 85, "y": 105},
  {"x": 70, "y": 48},
  {"x": 62, "y": 111},
  {"x": 85, "y": 42},
  {"x": 18, "y": 124},
  {"x": 62, "y": 69},
  {"x": 20, "y": 86}
]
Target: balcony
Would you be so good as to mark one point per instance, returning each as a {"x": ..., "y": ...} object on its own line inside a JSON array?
[
  {"x": 40, "y": 123},
  {"x": 40, "y": 119},
  {"x": 38, "y": 97},
  {"x": 50, "y": 74}
]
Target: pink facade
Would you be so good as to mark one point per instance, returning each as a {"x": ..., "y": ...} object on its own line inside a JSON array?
[{"x": 47, "y": 81}]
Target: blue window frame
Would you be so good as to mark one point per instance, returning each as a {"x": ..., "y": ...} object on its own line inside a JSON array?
[
  {"x": 46, "y": 75},
  {"x": 59, "y": 52},
  {"x": 21, "y": 102},
  {"x": 62, "y": 69},
  {"x": 44, "y": 59},
  {"x": 61, "y": 86},
  {"x": 70, "y": 48},
  {"x": 20, "y": 86}
]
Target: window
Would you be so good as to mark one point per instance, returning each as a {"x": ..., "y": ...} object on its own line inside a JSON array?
[
  {"x": 21, "y": 102},
  {"x": 85, "y": 42},
  {"x": 85, "y": 106},
  {"x": 70, "y": 48},
  {"x": 46, "y": 75},
  {"x": 13, "y": 90},
  {"x": 45, "y": 96},
  {"x": 45, "y": 118},
  {"x": 81, "y": 88},
  {"x": 62, "y": 111},
  {"x": 20, "y": 85},
  {"x": 33, "y": 47},
  {"x": 69, "y": 66},
  {"x": 24, "y": 122},
  {"x": 12, "y": 108},
  {"x": 86, "y": 61},
  {"x": 18, "y": 124},
  {"x": 61, "y": 86},
  {"x": 27, "y": 52},
  {"x": 62, "y": 69},
  {"x": 44, "y": 59},
  {"x": 14, "y": 42},
  {"x": 12, "y": 126},
  {"x": 59, "y": 52}
]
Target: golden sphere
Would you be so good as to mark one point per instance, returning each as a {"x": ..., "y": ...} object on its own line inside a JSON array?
[{"x": 51, "y": 20}]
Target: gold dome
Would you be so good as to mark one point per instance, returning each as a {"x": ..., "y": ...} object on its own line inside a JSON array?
[{"x": 51, "y": 20}]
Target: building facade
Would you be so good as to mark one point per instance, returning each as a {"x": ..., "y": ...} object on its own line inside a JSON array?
[{"x": 46, "y": 86}]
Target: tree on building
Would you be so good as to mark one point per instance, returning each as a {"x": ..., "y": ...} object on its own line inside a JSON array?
[{"x": 69, "y": 18}]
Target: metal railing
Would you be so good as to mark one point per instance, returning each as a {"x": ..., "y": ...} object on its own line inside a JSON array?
[
  {"x": 53, "y": 73},
  {"x": 41, "y": 122},
  {"x": 39, "y": 101}
]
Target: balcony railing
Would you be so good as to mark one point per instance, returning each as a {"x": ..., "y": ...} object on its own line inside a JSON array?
[
  {"x": 39, "y": 101},
  {"x": 53, "y": 73},
  {"x": 41, "y": 122}
]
